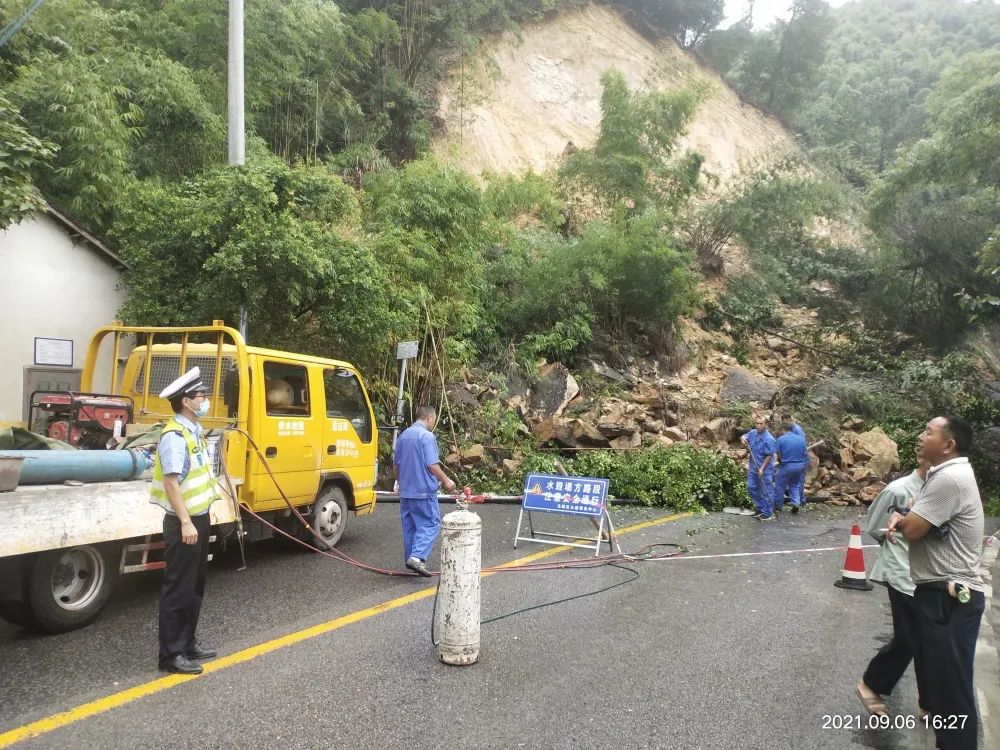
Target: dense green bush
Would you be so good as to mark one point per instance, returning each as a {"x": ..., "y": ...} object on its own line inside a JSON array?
[
  {"x": 513, "y": 197},
  {"x": 679, "y": 477},
  {"x": 615, "y": 276},
  {"x": 635, "y": 161},
  {"x": 273, "y": 238}
]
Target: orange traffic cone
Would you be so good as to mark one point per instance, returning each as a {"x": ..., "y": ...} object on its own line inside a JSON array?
[{"x": 853, "y": 575}]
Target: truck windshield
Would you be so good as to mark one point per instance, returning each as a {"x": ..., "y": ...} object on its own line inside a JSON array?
[{"x": 345, "y": 400}]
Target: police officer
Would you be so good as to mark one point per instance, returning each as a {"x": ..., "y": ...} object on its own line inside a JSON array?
[
  {"x": 761, "y": 446},
  {"x": 184, "y": 486}
]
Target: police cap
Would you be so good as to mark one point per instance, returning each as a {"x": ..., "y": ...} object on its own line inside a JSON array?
[{"x": 188, "y": 384}]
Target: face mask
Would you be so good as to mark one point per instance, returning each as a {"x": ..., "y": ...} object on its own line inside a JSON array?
[{"x": 203, "y": 408}]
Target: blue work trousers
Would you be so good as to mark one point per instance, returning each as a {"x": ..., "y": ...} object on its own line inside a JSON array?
[
  {"x": 761, "y": 489},
  {"x": 790, "y": 477},
  {"x": 421, "y": 522}
]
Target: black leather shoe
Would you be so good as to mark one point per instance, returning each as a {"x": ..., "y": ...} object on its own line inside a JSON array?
[
  {"x": 180, "y": 664},
  {"x": 200, "y": 652}
]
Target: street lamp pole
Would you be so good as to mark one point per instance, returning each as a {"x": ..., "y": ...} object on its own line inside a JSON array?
[{"x": 237, "y": 126}]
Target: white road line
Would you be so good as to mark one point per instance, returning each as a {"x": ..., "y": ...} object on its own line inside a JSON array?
[{"x": 752, "y": 554}]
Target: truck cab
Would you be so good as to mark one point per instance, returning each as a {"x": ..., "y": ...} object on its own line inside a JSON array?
[
  {"x": 294, "y": 428},
  {"x": 285, "y": 431}
]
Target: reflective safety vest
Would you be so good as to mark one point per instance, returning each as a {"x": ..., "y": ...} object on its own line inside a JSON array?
[{"x": 199, "y": 486}]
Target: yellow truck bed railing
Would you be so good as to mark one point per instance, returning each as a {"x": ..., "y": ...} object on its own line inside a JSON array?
[{"x": 216, "y": 339}]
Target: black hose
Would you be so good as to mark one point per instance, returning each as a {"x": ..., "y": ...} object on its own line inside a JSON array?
[{"x": 522, "y": 610}]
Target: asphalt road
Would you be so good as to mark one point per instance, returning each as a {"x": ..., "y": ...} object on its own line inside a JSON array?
[{"x": 749, "y": 652}]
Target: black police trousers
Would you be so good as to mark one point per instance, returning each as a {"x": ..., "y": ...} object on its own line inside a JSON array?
[{"x": 183, "y": 585}]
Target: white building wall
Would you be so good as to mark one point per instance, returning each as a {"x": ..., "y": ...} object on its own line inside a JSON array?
[{"x": 50, "y": 287}]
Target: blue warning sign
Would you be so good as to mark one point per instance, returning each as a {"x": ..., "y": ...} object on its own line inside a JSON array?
[{"x": 579, "y": 496}]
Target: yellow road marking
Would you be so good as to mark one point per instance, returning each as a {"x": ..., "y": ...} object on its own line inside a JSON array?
[{"x": 100, "y": 705}]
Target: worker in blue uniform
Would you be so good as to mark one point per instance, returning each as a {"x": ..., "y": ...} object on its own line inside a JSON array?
[
  {"x": 794, "y": 460},
  {"x": 418, "y": 472},
  {"x": 761, "y": 446},
  {"x": 795, "y": 426}
]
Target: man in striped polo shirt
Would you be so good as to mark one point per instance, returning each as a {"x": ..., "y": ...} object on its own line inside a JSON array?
[{"x": 945, "y": 530}]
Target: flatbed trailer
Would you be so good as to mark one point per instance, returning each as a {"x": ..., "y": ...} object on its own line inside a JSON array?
[{"x": 63, "y": 548}]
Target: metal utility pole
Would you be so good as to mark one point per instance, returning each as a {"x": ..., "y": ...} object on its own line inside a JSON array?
[
  {"x": 237, "y": 127},
  {"x": 237, "y": 123}
]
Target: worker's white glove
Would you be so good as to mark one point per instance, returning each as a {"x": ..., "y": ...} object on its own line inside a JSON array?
[{"x": 395, "y": 486}]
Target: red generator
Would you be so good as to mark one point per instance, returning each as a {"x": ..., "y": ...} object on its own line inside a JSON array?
[{"x": 86, "y": 420}]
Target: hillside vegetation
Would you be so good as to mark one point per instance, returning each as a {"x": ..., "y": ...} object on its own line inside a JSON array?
[{"x": 679, "y": 229}]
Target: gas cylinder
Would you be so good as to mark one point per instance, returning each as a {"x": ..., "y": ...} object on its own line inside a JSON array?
[{"x": 457, "y": 617}]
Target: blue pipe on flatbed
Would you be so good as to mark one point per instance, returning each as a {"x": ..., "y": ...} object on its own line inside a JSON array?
[{"x": 53, "y": 467}]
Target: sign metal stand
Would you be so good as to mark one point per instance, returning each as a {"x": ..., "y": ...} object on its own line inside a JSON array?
[
  {"x": 568, "y": 496},
  {"x": 405, "y": 351}
]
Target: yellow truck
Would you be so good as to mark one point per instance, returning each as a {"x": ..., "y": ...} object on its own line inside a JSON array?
[{"x": 64, "y": 545}]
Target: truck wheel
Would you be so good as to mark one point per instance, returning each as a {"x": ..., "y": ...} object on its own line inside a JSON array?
[
  {"x": 329, "y": 516},
  {"x": 66, "y": 588}
]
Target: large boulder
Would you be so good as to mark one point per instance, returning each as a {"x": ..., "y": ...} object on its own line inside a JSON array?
[
  {"x": 812, "y": 472},
  {"x": 627, "y": 442},
  {"x": 846, "y": 457},
  {"x": 779, "y": 345},
  {"x": 473, "y": 455},
  {"x": 648, "y": 394},
  {"x": 515, "y": 386},
  {"x": 555, "y": 430},
  {"x": 556, "y": 387},
  {"x": 740, "y": 385},
  {"x": 587, "y": 434},
  {"x": 881, "y": 449},
  {"x": 986, "y": 447},
  {"x": 612, "y": 374},
  {"x": 716, "y": 431},
  {"x": 460, "y": 393},
  {"x": 511, "y": 465},
  {"x": 992, "y": 390},
  {"x": 618, "y": 418},
  {"x": 676, "y": 434}
]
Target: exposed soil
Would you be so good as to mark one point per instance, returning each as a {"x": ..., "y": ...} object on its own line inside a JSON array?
[{"x": 521, "y": 98}]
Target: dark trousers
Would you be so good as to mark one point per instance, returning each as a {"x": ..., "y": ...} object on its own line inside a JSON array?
[
  {"x": 183, "y": 585},
  {"x": 891, "y": 661},
  {"x": 948, "y": 632}
]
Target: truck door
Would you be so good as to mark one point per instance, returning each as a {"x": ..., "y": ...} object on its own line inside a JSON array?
[
  {"x": 289, "y": 434},
  {"x": 349, "y": 443}
]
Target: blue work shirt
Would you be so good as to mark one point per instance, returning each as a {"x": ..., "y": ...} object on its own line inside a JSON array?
[
  {"x": 416, "y": 450},
  {"x": 792, "y": 448},
  {"x": 762, "y": 445},
  {"x": 797, "y": 429},
  {"x": 172, "y": 450}
]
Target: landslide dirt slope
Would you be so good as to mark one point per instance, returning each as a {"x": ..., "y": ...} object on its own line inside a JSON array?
[{"x": 520, "y": 98}]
